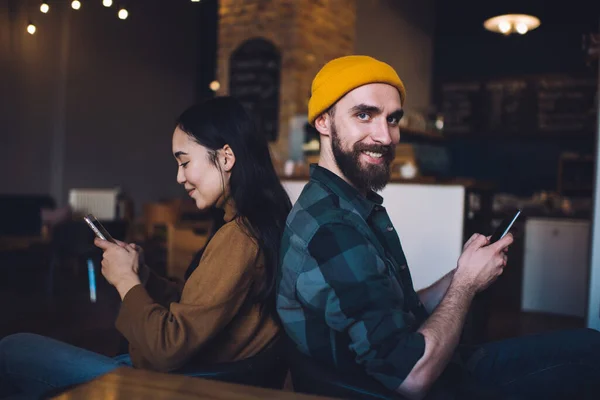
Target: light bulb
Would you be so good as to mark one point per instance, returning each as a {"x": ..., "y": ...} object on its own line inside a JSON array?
[
  {"x": 521, "y": 28},
  {"x": 76, "y": 4},
  {"x": 44, "y": 7},
  {"x": 195, "y": 1},
  {"x": 107, "y": 3},
  {"x": 214, "y": 86},
  {"x": 408, "y": 170},
  {"x": 504, "y": 26},
  {"x": 31, "y": 28},
  {"x": 123, "y": 14},
  {"x": 439, "y": 122}
]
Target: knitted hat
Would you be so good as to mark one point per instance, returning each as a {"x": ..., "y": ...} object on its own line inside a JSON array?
[{"x": 344, "y": 74}]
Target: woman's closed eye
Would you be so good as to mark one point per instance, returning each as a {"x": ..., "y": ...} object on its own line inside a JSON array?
[{"x": 183, "y": 164}]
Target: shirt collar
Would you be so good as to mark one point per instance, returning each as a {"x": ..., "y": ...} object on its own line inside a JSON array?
[{"x": 364, "y": 205}]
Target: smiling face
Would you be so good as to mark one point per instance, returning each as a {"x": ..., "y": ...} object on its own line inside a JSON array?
[
  {"x": 198, "y": 171},
  {"x": 363, "y": 131}
]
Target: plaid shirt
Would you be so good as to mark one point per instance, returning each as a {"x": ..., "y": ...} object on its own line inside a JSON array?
[{"x": 345, "y": 294}]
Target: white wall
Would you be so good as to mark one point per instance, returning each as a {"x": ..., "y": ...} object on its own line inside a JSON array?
[
  {"x": 593, "y": 320},
  {"x": 400, "y": 32},
  {"x": 429, "y": 221}
]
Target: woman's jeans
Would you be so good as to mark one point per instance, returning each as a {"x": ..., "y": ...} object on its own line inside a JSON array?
[
  {"x": 555, "y": 365},
  {"x": 31, "y": 365}
]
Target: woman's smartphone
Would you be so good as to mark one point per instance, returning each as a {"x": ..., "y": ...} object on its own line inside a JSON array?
[
  {"x": 504, "y": 227},
  {"x": 98, "y": 229}
]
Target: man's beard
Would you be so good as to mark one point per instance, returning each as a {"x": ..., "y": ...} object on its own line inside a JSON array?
[{"x": 370, "y": 177}]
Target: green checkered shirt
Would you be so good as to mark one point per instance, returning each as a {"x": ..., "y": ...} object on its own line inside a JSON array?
[{"x": 345, "y": 294}]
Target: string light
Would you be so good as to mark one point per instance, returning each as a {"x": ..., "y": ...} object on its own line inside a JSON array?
[
  {"x": 76, "y": 4},
  {"x": 31, "y": 28},
  {"x": 44, "y": 7},
  {"x": 123, "y": 14},
  {"x": 214, "y": 86},
  {"x": 107, "y": 3},
  {"x": 195, "y": 1}
]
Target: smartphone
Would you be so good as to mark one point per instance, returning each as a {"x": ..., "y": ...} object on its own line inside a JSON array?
[
  {"x": 98, "y": 229},
  {"x": 504, "y": 227}
]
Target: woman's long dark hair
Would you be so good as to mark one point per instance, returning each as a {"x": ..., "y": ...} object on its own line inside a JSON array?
[{"x": 261, "y": 201}]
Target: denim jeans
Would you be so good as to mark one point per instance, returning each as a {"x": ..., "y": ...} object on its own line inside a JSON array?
[
  {"x": 31, "y": 365},
  {"x": 555, "y": 365}
]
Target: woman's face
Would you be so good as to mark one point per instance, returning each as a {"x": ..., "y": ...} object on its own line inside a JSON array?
[{"x": 201, "y": 178}]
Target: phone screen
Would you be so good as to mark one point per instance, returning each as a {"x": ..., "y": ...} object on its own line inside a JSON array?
[
  {"x": 98, "y": 229},
  {"x": 504, "y": 227}
]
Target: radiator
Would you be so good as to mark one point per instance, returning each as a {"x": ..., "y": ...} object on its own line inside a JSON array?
[{"x": 100, "y": 202}]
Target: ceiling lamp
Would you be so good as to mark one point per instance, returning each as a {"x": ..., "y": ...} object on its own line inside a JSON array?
[{"x": 512, "y": 23}]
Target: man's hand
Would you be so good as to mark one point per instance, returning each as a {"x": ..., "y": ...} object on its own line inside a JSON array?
[
  {"x": 481, "y": 263},
  {"x": 120, "y": 265},
  {"x": 478, "y": 266}
]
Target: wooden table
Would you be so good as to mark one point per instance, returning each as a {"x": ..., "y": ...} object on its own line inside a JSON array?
[{"x": 129, "y": 383}]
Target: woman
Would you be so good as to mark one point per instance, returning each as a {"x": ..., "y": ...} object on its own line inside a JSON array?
[{"x": 226, "y": 309}]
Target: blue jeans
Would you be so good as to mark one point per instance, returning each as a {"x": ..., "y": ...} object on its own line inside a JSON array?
[
  {"x": 31, "y": 365},
  {"x": 555, "y": 365}
]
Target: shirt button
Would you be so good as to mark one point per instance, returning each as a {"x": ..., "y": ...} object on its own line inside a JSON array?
[
  {"x": 389, "y": 228},
  {"x": 377, "y": 208}
]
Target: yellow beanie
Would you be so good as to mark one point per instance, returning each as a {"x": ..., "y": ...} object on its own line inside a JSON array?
[{"x": 344, "y": 74}]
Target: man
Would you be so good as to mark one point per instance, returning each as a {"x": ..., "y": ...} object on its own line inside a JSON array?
[{"x": 345, "y": 293}]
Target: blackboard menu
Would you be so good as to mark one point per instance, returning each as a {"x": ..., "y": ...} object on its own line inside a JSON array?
[
  {"x": 535, "y": 105},
  {"x": 254, "y": 79},
  {"x": 508, "y": 106},
  {"x": 566, "y": 105},
  {"x": 461, "y": 106}
]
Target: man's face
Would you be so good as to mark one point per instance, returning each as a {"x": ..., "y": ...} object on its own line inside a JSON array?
[{"x": 364, "y": 134}]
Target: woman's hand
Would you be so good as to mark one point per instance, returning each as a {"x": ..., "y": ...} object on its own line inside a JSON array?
[{"x": 120, "y": 265}]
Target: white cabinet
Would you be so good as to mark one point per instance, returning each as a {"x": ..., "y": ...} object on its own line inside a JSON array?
[{"x": 556, "y": 266}]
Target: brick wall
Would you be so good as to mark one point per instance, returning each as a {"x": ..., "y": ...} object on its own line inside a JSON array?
[{"x": 308, "y": 33}]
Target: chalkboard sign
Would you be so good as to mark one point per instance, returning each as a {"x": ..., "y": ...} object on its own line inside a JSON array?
[
  {"x": 461, "y": 107},
  {"x": 566, "y": 105},
  {"x": 509, "y": 106},
  {"x": 534, "y": 105},
  {"x": 254, "y": 77}
]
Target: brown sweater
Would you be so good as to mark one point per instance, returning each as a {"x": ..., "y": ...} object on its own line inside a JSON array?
[{"x": 211, "y": 319}]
